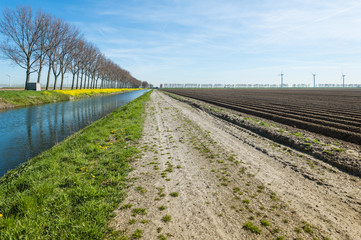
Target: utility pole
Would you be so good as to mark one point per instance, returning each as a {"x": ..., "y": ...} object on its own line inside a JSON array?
[{"x": 314, "y": 80}]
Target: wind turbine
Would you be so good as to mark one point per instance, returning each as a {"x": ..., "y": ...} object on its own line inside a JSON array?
[
  {"x": 9, "y": 78},
  {"x": 314, "y": 79},
  {"x": 281, "y": 79},
  {"x": 343, "y": 80}
]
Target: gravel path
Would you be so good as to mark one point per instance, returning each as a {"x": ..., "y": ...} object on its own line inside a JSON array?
[{"x": 199, "y": 177}]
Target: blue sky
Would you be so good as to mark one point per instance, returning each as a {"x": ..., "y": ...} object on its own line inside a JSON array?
[{"x": 213, "y": 41}]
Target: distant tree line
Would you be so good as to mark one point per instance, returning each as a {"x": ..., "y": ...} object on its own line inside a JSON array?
[{"x": 38, "y": 40}]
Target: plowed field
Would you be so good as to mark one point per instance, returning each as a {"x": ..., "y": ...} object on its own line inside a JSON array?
[{"x": 333, "y": 113}]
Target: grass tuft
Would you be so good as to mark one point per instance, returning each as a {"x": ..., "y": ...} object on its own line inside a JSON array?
[
  {"x": 265, "y": 223},
  {"x": 137, "y": 234},
  {"x": 251, "y": 227},
  {"x": 174, "y": 194},
  {"x": 166, "y": 218}
]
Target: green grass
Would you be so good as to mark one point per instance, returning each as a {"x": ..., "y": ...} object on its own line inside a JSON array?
[
  {"x": 174, "y": 194},
  {"x": 338, "y": 149},
  {"x": 139, "y": 211},
  {"x": 265, "y": 223},
  {"x": 161, "y": 208},
  {"x": 162, "y": 237},
  {"x": 307, "y": 228},
  {"x": 140, "y": 189},
  {"x": 251, "y": 227},
  {"x": 132, "y": 221},
  {"x": 137, "y": 234},
  {"x": 26, "y": 98},
  {"x": 126, "y": 206},
  {"x": 297, "y": 134},
  {"x": 166, "y": 218},
  {"x": 71, "y": 190},
  {"x": 20, "y": 98}
]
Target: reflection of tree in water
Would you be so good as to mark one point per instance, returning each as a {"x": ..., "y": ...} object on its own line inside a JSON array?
[
  {"x": 62, "y": 124},
  {"x": 29, "y": 123},
  {"x": 39, "y": 120}
]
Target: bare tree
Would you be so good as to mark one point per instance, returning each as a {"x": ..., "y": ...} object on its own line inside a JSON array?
[
  {"x": 79, "y": 62},
  {"x": 94, "y": 65},
  {"x": 92, "y": 53},
  {"x": 75, "y": 61},
  {"x": 59, "y": 55},
  {"x": 145, "y": 84},
  {"x": 68, "y": 46},
  {"x": 21, "y": 31},
  {"x": 84, "y": 61},
  {"x": 99, "y": 68},
  {"x": 57, "y": 31},
  {"x": 43, "y": 43}
]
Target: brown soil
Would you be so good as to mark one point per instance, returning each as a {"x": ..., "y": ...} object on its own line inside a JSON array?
[
  {"x": 344, "y": 155},
  {"x": 11, "y": 89},
  {"x": 226, "y": 176},
  {"x": 333, "y": 113}
]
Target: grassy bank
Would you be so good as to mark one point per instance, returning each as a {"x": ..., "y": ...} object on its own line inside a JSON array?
[
  {"x": 19, "y": 98},
  {"x": 70, "y": 191}
]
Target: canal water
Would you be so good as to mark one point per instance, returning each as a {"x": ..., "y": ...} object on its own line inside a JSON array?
[{"x": 26, "y": 132}]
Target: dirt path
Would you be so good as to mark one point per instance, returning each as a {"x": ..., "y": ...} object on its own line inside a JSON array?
[{"x": 202, "y": 178}]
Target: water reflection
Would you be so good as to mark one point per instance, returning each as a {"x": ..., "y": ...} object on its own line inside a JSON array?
[{"x": 26, "y": 132}]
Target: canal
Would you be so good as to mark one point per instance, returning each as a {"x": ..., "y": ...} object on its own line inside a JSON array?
[{"x": 26, "y": 132}]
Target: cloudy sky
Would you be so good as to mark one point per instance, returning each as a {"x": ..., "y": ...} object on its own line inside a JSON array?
[{"x": 214, "y": 41}]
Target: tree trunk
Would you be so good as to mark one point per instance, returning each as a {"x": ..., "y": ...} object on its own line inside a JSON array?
[
  {"x": 48, "y": 79},
  {"x": 27, "y": 73},
  {"x": 89, "y": 80},
  {"x": 85, "y": 78},
  {"x": 40, "y": 68},
  {"x": 62, "y": 80},
  {"x": 39, "y": 73},
  {"x": 55, "y": 80},
  {"x": 27, "y": 78},
  {"x": 93, "y": 82},
  {"x": 81, "y": 79},
  {"x": 72, "y": 83},
  {"x": 83, "y": 86},
  {"x": 77, "y": 79}
]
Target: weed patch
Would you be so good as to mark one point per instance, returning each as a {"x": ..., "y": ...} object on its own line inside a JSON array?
[
  {"x": 166, "y": 218},
  {"x": 174, "y": 194},
  {"x": 251, "y": 227}
]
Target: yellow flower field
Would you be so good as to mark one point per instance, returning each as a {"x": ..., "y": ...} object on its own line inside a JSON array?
[{"x": 91, "y": 92}]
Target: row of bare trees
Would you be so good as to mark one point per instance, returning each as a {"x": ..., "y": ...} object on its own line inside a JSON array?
[{"x": 38, "y": 40}]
